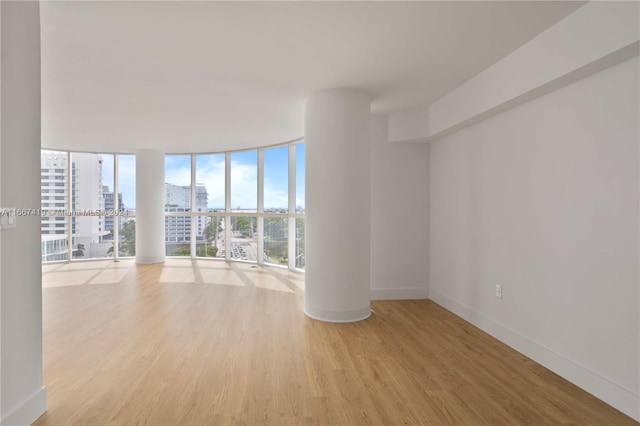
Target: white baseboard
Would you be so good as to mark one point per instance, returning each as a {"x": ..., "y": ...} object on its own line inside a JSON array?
[
  {"x": 338, "y": 316},
  {"x": 27, "y": 412},
  {"x": 608, "y": 391},
  {"x": 399, "y": 293},
  {"x": 147, "y": 260}
]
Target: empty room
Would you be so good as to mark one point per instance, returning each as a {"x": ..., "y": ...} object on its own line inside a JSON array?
[{"x": 323, "y": 212}]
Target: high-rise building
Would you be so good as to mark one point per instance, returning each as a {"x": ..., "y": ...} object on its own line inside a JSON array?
[
  {"x": 87, "y": 231},
  {"x": 178, "y": 200},
  {"x": 54, "y": 196},
  {"x": 109, "y": 204}
]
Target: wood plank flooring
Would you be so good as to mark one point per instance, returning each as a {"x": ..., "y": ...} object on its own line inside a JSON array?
[{"x": 205, "y": 342}]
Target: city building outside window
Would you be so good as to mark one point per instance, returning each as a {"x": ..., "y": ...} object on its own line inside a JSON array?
[{"x": 235, "y": 206}]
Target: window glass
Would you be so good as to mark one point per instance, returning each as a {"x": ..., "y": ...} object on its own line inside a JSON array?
[
  {"x": 126, "y": 203},
  {"x": 127, "y": 182},
  {"x": 177, "y": 202},
  {"x": 54, "y": 226},
  {"x": 54, "y": 246},
  {"x": 91, "y": 176},
  {"x": 110, "y": 202},
  {"x": 244, "y": 244},
  {"x": 299, "y": 242},
  {"x": 275, "y": 240},
  {"x": 244, "y": 181},
  {"x": 210, "y": 173},
  {"x": 177, "y": 183},
  {"x": 276, "y": 180},
  {"x": 177, "y": 233},
  {"x": 300, "y": 173},
  {"x": 127, "y": 235},
  {"x": 78, "y": 188},
  {"x": 212, "y": 243}
]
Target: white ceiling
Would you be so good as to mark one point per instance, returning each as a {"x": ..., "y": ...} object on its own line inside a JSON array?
[{"x": 210, "y": 76}]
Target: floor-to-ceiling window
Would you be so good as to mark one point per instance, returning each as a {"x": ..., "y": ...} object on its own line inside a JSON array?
[
  {"x": 276, "y": 205},
  {"x": 299, "y": 172},
  {"x": 126, "y": 205},
  {"x": 241, "y": 236},
  {"x": 209, "y": 223},
  {"x": 178, "y": 202},
  {"x": 82, "y": 208},
  {"x": 92, "y": 178},
  {"x": 54, "y": 201},
  {"x": 242, "y": 205}
]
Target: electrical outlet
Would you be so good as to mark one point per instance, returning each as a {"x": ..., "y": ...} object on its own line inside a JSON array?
[
  {"x": 7, "y": 218},
  {"x": 499, "y": 291}
]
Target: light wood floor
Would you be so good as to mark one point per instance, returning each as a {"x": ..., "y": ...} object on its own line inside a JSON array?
[{"x": 205, "y": 342}]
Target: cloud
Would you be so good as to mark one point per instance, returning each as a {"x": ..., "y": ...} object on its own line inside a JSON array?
[
  {"x": 244, "y": 186},
  {"x": 275, "y": 195},
  {"x": 177, "y": 169},
  {"x": 210, "y": 171}
]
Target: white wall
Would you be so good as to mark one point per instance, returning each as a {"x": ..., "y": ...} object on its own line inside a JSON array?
[
  {"x": 23, "y": 397},
  {"x": 544, "y": 200},
  {"x": 399, "y": 216}
]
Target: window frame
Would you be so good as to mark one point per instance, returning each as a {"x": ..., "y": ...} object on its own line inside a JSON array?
[{"x": 292, "y": 215}]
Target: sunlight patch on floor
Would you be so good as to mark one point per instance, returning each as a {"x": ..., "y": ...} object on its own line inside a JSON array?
[
  {"x": 219, "y": 277},
  {"x": 174, "y": 271},
  {"x": 177, "y": 275},
  {"x": 67, "y": 278},
  {"x": 110, "y": 276}
]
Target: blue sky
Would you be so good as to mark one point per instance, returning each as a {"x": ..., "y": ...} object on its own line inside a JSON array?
[
  {"x": 210, "y": 171},
  {"x": 244, "y": 171},
  {"x": 126, "y": 177},
  {"x": 276, "y": 183}
]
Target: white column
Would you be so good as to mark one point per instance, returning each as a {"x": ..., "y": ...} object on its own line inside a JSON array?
[
  {"x": 24, "y": 398},
  {"x": 150, "y": 244},
  {"x": 337, "y": 273}
]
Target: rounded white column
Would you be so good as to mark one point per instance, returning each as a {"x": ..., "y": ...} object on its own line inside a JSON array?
[
  {"x": 150, "y": 247},
  {"x": 337, "y": 276}
]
